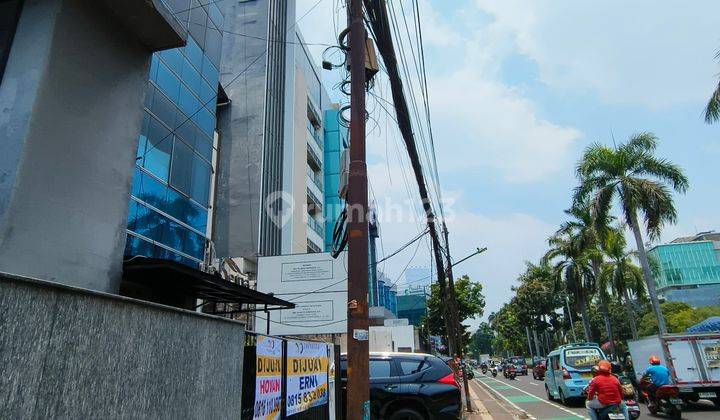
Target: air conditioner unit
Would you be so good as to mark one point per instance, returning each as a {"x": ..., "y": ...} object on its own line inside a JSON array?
[{"x": 344, "y": 173}]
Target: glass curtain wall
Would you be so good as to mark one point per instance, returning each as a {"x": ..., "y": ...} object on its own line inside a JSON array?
[
  {"x": 685, "y": 264},
  {"x": 169, "y": 204}
]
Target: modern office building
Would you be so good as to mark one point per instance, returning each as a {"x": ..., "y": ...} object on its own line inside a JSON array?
[
  {"x": 270, "y": 189},
  {"x": 413, "y": 307},
  {"x": 336, "y": 141},
  {"x": 689, "y": 269},
  {"x": 170, "y": 209},
  {"x": 72, "y": 75}
]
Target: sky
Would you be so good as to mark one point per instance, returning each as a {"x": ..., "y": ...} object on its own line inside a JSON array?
[{"x": 517, "y": 90}]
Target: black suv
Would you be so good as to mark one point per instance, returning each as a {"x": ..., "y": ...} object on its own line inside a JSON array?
[{"x": 411, "y": 386}]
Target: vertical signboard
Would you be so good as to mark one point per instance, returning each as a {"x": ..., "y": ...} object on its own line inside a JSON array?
[
  {"x": 268, "y": 381},
  {"x": 307, "y": 376}
]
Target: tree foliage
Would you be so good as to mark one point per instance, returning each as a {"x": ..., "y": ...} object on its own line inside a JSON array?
[
  {"x": 470, "y": 301},
  {"x": 481, "y": 340},
  {"x": 678, "y": 316}
]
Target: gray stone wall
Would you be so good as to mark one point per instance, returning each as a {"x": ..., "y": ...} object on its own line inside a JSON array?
[{"x": 71, "y": 353}]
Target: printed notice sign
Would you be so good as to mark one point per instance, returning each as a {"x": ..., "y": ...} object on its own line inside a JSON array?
[
  {"x": 307, "y": 375},
  {"x": 268, "y": 380},
  {"x": 712, "y": 354},
  {"x": 309, "y": 312},
  {"x": 307, "y": 270}
]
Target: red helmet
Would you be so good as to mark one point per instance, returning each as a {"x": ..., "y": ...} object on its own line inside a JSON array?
[
  {"x": 604, "y": 366},
  {"x": 654, "y": 360}
]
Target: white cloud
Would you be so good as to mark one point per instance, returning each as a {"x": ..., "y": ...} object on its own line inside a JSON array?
[
  {"x": 644, "y": 52},
  {"x": 484, "y": 123}
]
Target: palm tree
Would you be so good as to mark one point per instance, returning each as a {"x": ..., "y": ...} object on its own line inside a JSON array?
[
  {"x": 590, "y": 233},
  {"x": 640, "y": 181},
  {"x": 622, "y": 276},
  {"x": 573, "y": 272},
  {"x": 712, "y": 110}
]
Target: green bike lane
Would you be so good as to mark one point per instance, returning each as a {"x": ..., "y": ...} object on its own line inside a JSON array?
[{"x": 524, "y": 397}]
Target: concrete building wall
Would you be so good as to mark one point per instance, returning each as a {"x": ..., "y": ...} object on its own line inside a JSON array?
[
  {"x": 252, "y": 128},
  {"x": 297, "y": 167},
  {"x": 70, "y": 353},
  {"x": 70, "y": 101},
  {"x": 241, "y": 130}
]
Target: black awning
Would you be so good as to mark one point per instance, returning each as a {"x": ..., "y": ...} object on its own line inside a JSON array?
[{"x": 165, "y": 278}]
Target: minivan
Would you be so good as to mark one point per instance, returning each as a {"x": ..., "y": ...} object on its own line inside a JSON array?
[{"x": 569, "y": 370}]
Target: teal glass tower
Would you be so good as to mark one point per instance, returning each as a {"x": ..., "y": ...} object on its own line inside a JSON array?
[{"x": 688, "y": 269}]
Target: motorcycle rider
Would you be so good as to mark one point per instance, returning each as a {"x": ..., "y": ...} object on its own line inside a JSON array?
[
  {"x": 658, "y": 375},
  {"x": 607, "y": 388}
]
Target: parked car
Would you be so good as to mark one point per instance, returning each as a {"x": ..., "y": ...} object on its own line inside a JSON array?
[
  {"x": 569, "y": 370},
  {"x": 538, "y": 370},
  {"x": 412, "y": 386}
]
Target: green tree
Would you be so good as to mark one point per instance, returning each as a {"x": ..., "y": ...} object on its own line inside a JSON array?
[
  {"x": 640, "y": 181},
  {"x": 590, "y": 233},
  {"x": 510, "y": 333},
  {"x": 470, "y": 302},
  {"x": 712, "y": 109},
  {"x": 573, "y": 268},
  {"x": 536, "y": 299},
  {"x": 481, "y": 340},
  {"x": 621, "y": 275},
  {"x": 678, "y": 315}
]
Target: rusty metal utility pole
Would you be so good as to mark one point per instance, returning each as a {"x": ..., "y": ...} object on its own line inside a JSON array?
[
  {"x": 455, "y": 319},
  {"x": 358, "y": 388}
]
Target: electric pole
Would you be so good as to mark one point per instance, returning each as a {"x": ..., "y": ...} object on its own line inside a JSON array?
[
  {"x": 455, "y": 319},
  {"x": 358, "y": 387}
]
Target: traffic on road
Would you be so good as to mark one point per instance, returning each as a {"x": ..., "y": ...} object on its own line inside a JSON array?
[{"x": 561, "y": 382}]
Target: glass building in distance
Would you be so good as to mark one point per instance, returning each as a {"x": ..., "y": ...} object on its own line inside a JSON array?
[
  {"x": 168, "y": 210},
  {"x": 689, "y": 269}
]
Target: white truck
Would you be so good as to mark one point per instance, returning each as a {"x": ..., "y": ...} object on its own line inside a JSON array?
[{"x": 694, "y": 362}]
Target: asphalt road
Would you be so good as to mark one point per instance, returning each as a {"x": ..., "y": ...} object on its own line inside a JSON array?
[{"x": 524, "y": 394}]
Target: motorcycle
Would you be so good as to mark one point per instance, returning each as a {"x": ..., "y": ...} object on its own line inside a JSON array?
[
  {"x": 493, "y": 371},
  {"x": 611, "y": 412},
  {"x": 510, "y": 372},
  {"x": 483, "y": 368},
  {"x": 665, "y": 400},
  {"x": 630, "y": 397}
]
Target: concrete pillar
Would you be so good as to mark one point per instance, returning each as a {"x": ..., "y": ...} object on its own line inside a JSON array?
[{"x": 70, "y": 113}]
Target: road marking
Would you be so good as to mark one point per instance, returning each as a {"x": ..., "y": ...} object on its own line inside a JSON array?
[
  {"x": 504, "y": 398},
  {"x": 533, "y": 384},
  {"x": 548, "y": 402}
]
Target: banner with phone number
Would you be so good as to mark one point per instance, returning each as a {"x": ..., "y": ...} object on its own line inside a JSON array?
[
  {"x": 307, "y": 375},
  {"x": 268, "y": 380}
]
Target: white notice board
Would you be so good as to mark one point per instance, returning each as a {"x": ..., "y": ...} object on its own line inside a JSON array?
[{"x": 316, "y": 283}]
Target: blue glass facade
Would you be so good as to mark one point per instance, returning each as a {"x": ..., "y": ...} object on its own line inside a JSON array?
[
  {"x": 168, "y": 212},
  {"x": 336, "y": 140}
]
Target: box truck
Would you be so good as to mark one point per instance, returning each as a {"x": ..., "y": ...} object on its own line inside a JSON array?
[{"x": 694, "y": 362}]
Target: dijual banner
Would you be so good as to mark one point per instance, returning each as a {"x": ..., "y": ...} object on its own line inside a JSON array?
[
  {"x": 307, "y": 376},
  {"x": 268, "y": 380}
]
